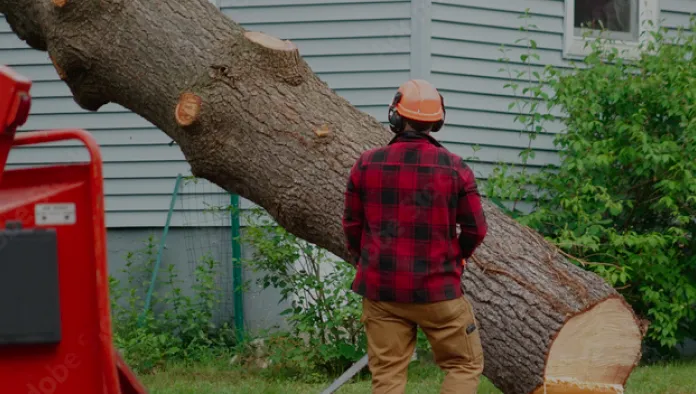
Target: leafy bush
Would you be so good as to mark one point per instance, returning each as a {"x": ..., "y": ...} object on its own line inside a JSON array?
[
  {"x": 324, "y": 314},
  {"x": 623, "y": 197},
  {"x": 326, "y": 335},
  {"x": 177, "y": 326}
]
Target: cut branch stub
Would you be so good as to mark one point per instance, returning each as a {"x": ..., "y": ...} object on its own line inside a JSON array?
[
  {"x": 278, "y": 58},
  {"x": 187, "y": 109},
  {"x": 322, "y": 131},
  {"x": 270, "y": 42}
]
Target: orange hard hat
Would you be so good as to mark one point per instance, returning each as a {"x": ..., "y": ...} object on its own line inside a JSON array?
[{"x": 417, "y": 100}]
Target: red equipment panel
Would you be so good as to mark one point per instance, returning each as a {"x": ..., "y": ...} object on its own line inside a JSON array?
[
  {"x": 68, "y": 199},
  {"x": 14, "y": 108},
  {"x": 55, "y": 321}
]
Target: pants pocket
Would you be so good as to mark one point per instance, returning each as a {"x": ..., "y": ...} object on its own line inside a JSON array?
[
  {"x": 473, "y": 334},
  {"x": 365, "y": 310},
  {"x": 456, "y": 343}
]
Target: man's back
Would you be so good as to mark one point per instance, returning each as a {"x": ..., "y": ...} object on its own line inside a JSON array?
[
  {"x": 410, "y": 196},
  {"x": 402, "y": 206}
]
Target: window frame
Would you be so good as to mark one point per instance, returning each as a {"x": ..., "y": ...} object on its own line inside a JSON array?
[{"x": 574, "y": 46}]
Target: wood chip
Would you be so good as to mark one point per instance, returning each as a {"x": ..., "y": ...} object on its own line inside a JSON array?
[{"x": 322, "y": 131}]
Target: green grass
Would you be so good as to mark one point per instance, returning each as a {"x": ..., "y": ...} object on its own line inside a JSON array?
[{"x": 676, "y": 378}]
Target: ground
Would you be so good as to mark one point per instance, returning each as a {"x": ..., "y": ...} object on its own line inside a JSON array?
[{"x": 677, "y": 378}]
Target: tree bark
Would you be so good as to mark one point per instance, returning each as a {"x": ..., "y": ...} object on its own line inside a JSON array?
[{"x": 250, "y": 115}]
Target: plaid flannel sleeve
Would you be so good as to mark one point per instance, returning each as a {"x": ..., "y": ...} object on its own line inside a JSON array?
[
  {"x": 353, "y": 214},
  {"x": 470, "y": 215}
]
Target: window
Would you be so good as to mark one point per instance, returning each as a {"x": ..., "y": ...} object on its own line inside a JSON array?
[{"x": 624, "y": 20}]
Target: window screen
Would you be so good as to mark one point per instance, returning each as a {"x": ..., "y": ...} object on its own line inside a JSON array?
[{"x": 619, "y": 17}]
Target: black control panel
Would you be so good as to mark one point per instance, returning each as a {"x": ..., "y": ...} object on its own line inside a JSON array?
[{"x": 29, "y": 288}]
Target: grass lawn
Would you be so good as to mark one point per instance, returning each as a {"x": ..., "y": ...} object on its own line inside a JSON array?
[{"x": 678, "y": 378}]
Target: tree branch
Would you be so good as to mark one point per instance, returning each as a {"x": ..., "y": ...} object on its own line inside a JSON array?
[{"x": 28, "y": 20}]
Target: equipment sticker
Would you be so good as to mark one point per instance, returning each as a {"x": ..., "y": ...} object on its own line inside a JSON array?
[{"x": 53, "y": 214}]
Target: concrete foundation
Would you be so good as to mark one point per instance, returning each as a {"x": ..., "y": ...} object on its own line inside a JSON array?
[{"x": 184, "y": 250}]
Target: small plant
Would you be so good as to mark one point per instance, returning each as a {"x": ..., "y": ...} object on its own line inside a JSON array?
[
  {"x": 324, "y": 314},
  {"x": 177, "y": 326}
]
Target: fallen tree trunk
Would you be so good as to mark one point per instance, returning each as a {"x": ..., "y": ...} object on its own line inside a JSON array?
[{"x": 250, "y": 115}]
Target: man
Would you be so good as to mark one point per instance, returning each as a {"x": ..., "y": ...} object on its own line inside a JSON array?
[{"x": 402, "y": 206}]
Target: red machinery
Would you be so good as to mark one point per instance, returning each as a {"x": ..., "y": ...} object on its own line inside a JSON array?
[{"x": 55, "y": 323}]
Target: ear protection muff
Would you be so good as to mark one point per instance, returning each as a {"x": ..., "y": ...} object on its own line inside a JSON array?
[
  {"x": 396, "y": 122},
  {"x": 438, "y": 125}
]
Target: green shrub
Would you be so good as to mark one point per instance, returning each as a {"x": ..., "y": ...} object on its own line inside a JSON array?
[
  {"x": 323, "y": 313},
  {"x": 177, "y": 326},
  {"x": 326, "y": 335},
  {"x": 624, "y": 195}
]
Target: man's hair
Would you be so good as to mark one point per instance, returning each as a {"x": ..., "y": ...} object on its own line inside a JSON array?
[{"x": 418, "y": 125}]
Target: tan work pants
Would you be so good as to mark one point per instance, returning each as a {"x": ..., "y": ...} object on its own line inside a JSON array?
[{"x": 391, "y": 337}]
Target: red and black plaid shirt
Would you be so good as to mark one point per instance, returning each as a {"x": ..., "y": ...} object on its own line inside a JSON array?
[{"x": 402, "y": 206}]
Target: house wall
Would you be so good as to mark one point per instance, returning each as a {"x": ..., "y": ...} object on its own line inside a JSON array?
[
  {"x": 466, "y": 50},
  {"x": 185, "y": 247}
]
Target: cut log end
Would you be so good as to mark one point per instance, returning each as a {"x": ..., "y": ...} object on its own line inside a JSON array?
[
  {"x": 595, "y": 351},
  {"x": 270, "y": 42},
  {"x": 571, "y": 386},
  {"x": 187, "y": 109}
]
